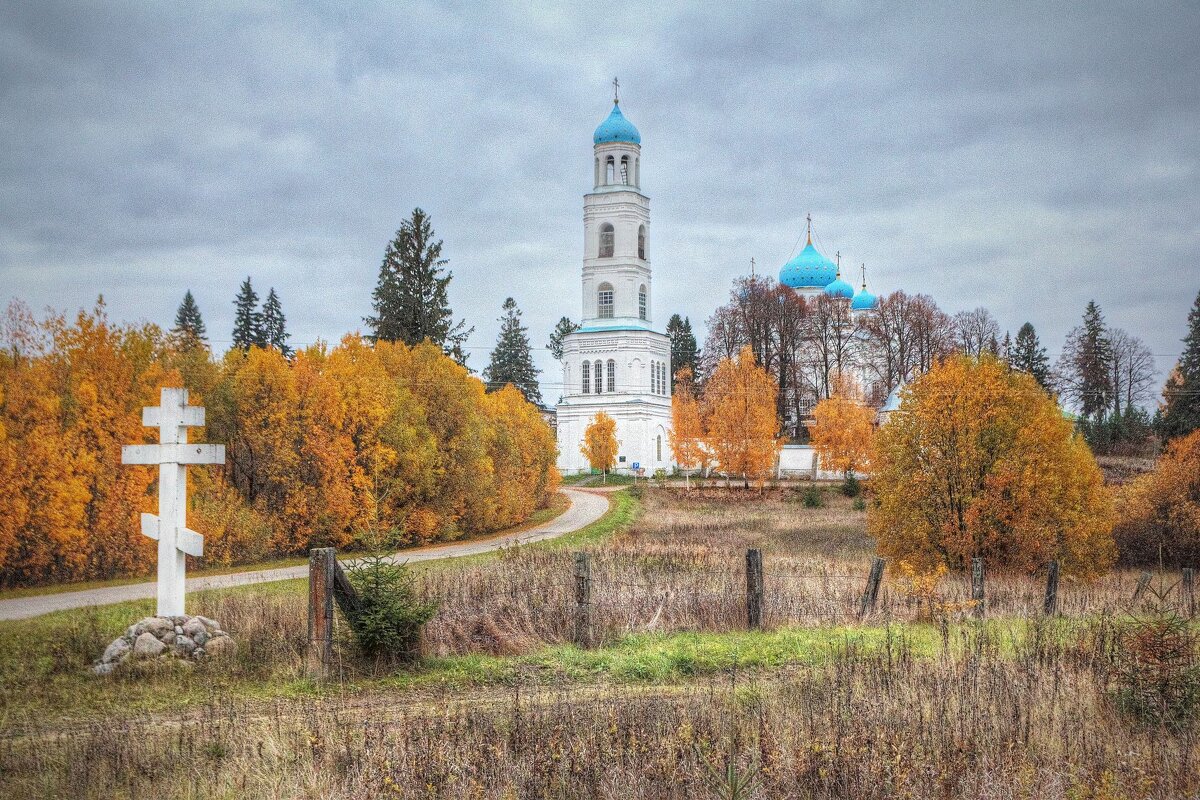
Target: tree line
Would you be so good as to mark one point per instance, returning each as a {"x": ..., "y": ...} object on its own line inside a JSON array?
[{"x": 383, "y": 440}]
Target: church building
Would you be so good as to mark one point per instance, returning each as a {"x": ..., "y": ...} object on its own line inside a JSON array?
[{"x": 617, "y": 362}]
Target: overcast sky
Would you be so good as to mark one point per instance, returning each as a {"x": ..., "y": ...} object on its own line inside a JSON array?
[{"x": 1022, "y": 157}]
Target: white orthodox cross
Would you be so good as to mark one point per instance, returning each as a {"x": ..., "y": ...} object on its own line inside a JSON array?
[{"x": 172, "y": 454}]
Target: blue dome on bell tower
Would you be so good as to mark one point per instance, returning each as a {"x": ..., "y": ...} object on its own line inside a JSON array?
[{"x": 616, "y": 129}]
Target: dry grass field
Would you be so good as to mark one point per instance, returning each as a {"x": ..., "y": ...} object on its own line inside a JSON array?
[{"x": 676, "y": 701}]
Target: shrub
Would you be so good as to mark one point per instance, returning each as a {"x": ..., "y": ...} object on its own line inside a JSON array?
[
  {"x": 813, "y": 497},
  {"x": 636, "y": 490},
  {"x": 390, "y": 615},
  {"x": 851, "y": 487},
  {"x": 1158, "y": 515},
  {"x": 860, "y": 504},
  {"x": 1157, "y": 678}
]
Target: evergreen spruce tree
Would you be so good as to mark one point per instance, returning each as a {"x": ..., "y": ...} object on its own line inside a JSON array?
[
  {"x": 1028, "y": 355},
  {"x": 1088, "y": 367},
  {"x": 189, "y": 332},
  {"x": 512, "y": 359},
  {"x": 247, "y": 321},
  {"x": 274, "y": 325},
  {"x": 1006, "y": 350},
  {"x": 564, "y": 327},
  {"x": 410, "y": 301},
  {"x": 1181, "y": 396},
  {"x": 683, "y": 345}
]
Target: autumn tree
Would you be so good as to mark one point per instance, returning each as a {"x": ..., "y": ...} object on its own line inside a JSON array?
[
  {"x": 600, "y": 443},
  {"x": 1158, "y": 519},
  {"x": 411, "y": 300},
  {"x": 741, "y": 427},
  {"x": 981, "y": 463},
  {"x": 843, "y": 432},
  {"x": 976, "y": 332},
  {"x": 189, "y": 332},
  {"x": 687, "y": 427},
  {"x": 512, "y": 357},
  {"x": 247, "y": 319},
  {"x": 1181, "y": 396}
]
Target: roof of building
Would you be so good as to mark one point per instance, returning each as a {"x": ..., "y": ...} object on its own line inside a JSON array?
[
  {"x": 864, "y": 301},
  {"x": 839, "y": 288},
  {"x": 616, "y": 129},
  {"x": 809, "y": 269},
  {"x": 893, "y": 400}
]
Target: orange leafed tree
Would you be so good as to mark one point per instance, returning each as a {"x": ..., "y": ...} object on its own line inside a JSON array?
[
  {"x": 979, "y": 462},
  {"x": 741, "y": 427},
  {"x": 1159, "y": 513},
  {"x": 843, "y": 432},
  {"x": 687, "y": 428},
  {"x": 600, "y": 443}
]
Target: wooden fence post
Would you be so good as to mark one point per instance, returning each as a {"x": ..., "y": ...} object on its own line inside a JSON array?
[
  {"x": 1051, "y": 605},
  {"x": 1143, "y": 582},
  {"x": 322, "y": 564},
  {"x": 871, "y": 593},
  {"x": 977, "y": 586},
  {"x": 754, "y": 588},
  {"x": 1189, "y": 590},
  {"x": 583, "y": 600}
]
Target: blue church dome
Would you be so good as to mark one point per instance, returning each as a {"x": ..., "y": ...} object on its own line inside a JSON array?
[
  {"x": 808, "y": 270},
  {"x": 616, "y": 129},
  {"x": 839, "y": 288},
  {"x": 864, "y": 301}
]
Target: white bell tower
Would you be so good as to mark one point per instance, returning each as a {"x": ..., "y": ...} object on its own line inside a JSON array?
[{"x": 617, "y": 362}]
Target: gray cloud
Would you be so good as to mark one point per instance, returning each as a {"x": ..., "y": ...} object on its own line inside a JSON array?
[{"x": 1027, "y": 158}]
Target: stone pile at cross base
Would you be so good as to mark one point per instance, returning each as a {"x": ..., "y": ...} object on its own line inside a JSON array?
[{"x": 179, "y": 637}]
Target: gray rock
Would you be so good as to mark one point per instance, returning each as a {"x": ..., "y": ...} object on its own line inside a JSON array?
[
  {"x": 104, "y": 669},
  {"x": 220, "y": 648},
  {"x": 194, "y": 626},
  {"x": 210, "y": 624},
  {"x": 178, "y": 629},
  {"x": 157, "y": 626},
  {"x": 115, "y": 651},
  {"x": 183, "y": 646},
  {"x": 200, "y": 637},
  {"x": 147, "y": 646}
]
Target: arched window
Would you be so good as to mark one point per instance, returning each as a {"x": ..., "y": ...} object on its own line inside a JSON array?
[
  {"x": 642, "y": 301},
  {"x": 609, "y": 170},
  {"x": 642, "y": 242},
  {"x": 653, "y": 377},
  {"x": 612, "y": 375},
  {"x": 658, "y": 447},
  {"x": 625, "y": 170},
  {"x": 599, "y": 378},
  {"x": 604, "y": 301},
  {"x": 637, "y": 172},
  {"x": 587, "y": 378},
  {"x": 607, "y": 240},
  {"x": 597, "y": 181}
]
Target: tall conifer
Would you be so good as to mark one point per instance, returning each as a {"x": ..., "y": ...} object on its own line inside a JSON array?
[
  {"x": 564, "y": 327},
  {"x": 1181, "y": 396},
  {"x": 512, "y": 359},
  {"x": 410, "y": 300},
  {"x": 189, "y": 332},
  {"x": 247, "y": 321},
  {"x": 1028, "y": 355},
  {"x": 683, "y": 344},
  {"x": 273, "y": 332}
]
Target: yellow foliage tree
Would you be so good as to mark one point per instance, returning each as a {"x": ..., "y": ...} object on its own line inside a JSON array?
[
  {"x": 979, "y": 462},
  {"x": 741, "y": 427},
  {"x": 600, "y": 443},
  {"x": 1158, "y": 515},
  {"x": 687, "y": 427},
  {"x": 843, "y": 433}
]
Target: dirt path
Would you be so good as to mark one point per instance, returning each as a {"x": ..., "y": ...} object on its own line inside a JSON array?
[{"x": 586, "y": 508}]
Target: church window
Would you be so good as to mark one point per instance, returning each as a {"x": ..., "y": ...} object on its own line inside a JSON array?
[
  {"x": 599, "y": 378},
  {"x": 642, "y": 302},
  {"x": 653, "y": 377},
  {"x": 637, "y": 172},
  {"x": 642, "y": 242},
  {"x": 609, "y": 170},
  {"x": 607, "y": 240},
  {"x": 604, "y": 301},
  {"x": 612, "y": 375},
  {"x": 587, "y": 378},
  {"x": 597, "y": 181},
  {"x": 658, "y": 449},
  {"x": 625, "y": 169}
]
